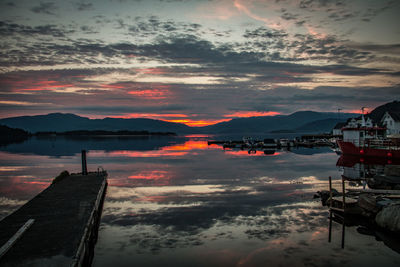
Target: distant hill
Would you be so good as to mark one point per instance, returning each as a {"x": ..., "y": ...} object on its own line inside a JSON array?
[
  {"x": 320, "y": 126},
  {"x": 10, "y": 135},
  {"x": 60, "y": 122},
  {"x": 309, "y": 121},
  {"x": 295, "y": 122}
]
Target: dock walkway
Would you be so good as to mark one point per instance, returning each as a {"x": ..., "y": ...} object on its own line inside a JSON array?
[{"x": 66, "y": 217}]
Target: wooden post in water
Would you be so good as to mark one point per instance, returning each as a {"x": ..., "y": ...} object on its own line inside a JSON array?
[
  {"x": 344, "y": 195},
  {"x": 330, "y": 192},
  {"x": 344, "y": 212},
  {"x": 330, "y": 226},
  {"x": 84, "y": 165}
]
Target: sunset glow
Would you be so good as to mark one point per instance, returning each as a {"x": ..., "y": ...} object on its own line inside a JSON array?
[
  {"x": 189, "y": 145},
  {"x": 198, "y": 123}
]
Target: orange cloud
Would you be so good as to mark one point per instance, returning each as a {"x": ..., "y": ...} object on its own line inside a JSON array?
[
  {"x": 151, "y": 175},
  {"x": 45, "y": 86},
  {"x": 314, "y": 33},
  {"x": 150, "y": 93},
  {"x": 113, "y": 86},
  {"x": 247, "y": 114}
]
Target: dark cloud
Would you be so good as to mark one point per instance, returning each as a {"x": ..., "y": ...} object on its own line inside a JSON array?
[
  {"x": 88, "y": 29},
  {"x": 47, "y": 8},
  {"x": 151, "y": 26},
  {"x": 310, "y": 4},
  {"x": 289, "y": 16},
  {"x": 371, "y": 13},
  {"x": 381, "y": 48},
  {"x": 329, "y": 48},
  {"x": 8, "y": 29},
  {"x": 340, "y": 15},
  {"x": 82, "y": 6},
  {"x": 262, "y": 32}
]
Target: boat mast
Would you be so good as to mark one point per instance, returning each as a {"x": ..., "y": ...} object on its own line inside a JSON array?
[{"x": 363, "y": 125}]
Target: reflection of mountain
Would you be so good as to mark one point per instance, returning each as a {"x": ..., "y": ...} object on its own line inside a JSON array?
[
  {"x": 10, "y": 135},
  {"x": 64, "y": 146}
]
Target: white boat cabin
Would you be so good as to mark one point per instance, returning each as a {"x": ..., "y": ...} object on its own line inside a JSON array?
[{"x": 360, "y": 131}]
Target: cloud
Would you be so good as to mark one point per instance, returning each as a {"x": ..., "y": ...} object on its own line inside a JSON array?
[
  {"x": 81, "y": 6},
  {"x": 47, "y": 8},
  {"x": 8, "y": 29},
  {"x": 372, "y": 12},
  {"x": 151, "y": 26}
]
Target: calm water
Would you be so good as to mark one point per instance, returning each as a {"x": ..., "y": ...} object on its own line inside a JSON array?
[{"x": 179, "y": 202}]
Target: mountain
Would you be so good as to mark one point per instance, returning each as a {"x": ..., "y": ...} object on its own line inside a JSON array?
[
  {"x": 295, "y": 121},
  {"x": 320, "y": 126},
  {"x": 61, "y": 122}
]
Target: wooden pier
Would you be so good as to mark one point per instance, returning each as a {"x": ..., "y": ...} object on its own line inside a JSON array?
[{"x": 58, "y": 227}]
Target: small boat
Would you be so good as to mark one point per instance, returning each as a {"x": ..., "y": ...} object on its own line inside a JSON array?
[{"x": 368, "y": 141}]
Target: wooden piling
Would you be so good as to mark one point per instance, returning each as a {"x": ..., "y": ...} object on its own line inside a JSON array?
[{"x": 330, "y": 192}]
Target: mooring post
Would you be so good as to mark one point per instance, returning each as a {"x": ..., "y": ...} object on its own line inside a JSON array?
[
  {"x": 344, "y": 195},
  {"x": 330, "y": 192},
  {"x": 84, "y": 166},
  {"x": 330, "y": 226}
]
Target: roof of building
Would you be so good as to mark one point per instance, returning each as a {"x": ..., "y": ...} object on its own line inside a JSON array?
[
  {"x": 339, "y": 125},
  {"x": 394, "y": 115}
]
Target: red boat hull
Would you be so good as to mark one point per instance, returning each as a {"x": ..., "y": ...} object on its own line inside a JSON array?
[{"x": 349, "y": 148}]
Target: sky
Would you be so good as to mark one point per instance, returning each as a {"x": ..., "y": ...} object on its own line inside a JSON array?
[{"x": 197, "y": 62}]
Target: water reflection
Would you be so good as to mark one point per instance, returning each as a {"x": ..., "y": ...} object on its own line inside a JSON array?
[{"x": 179, "y": 202}]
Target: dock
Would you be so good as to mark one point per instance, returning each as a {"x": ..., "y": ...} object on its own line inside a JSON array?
[{"x": 59, "y": 226}]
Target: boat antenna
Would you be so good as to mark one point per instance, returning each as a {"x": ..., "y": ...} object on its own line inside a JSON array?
[
  {"x": 362, "y": 110},
  {"x": 338, "y": 112}
]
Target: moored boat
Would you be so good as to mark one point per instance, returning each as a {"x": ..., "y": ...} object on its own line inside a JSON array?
[{"x": 368, "y": 141}]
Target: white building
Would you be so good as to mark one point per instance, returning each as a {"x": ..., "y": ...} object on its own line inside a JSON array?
[
  {"x": 337, "y": 130},
  {"x": 392, "y": 122}
]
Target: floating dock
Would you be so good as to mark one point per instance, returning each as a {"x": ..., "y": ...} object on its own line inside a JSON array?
[{"x": 59, "y": 226}]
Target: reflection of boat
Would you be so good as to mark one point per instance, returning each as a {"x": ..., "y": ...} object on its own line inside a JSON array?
[
  {"x": 231, "y": 144},
  {"x": 355, "y": 168},
  {"x": 269, "y": 151},
  {"x": 269, "y": 143},
  {"x": 378, "y": 173},
  {"x": 369, "y": 141},
  {"x": 286, "y": 143}
]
